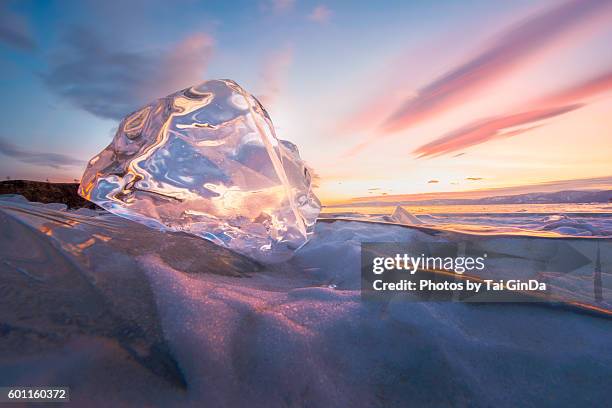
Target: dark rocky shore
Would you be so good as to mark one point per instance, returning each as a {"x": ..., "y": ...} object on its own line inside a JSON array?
[{"x": 44, "y": 192}]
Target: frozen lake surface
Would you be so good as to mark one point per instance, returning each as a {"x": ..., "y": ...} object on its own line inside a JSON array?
[{"x": 127, "y": 315}]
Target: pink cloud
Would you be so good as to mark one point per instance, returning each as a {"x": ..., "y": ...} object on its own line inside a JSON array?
[
  {"x": 550, "y": 106},
  {"x": 320, "y": 14},
  {"x": 185, "y": 63},
  {"x": 580, "y": 91},
  {"x": 511, "y": 49},
  {"x": 487, "y": 129}
]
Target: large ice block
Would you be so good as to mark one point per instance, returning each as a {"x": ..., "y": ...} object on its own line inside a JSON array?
[{"x": 206, "y": 161}]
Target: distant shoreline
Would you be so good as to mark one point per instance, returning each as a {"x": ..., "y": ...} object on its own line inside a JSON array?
[
  {"x": 44, "y": 192},
  {"x": 558, "y": 197}
]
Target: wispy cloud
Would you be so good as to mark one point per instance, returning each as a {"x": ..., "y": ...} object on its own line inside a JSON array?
[
  {"x": 487, "y": 129},
  {"x": 54, "y": 160},
  {"x": 277, "y": 6},
  {"x": 520, "y": 121},
  {"x": 511, "y": 49},
  {"x": 320, "y": 14},
  {"x": 433, "y": 182},
  {"x": 14, "y": 29},
  {"x": 111, "y": 82},
  {"x": 274, "y": 75},
  {"x": 580, "y": 91}
]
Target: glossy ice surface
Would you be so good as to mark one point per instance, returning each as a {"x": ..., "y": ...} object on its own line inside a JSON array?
[{"x": 206, "y": 161}]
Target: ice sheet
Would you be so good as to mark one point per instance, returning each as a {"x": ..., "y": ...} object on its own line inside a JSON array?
[{"x": 127, "y": 315}]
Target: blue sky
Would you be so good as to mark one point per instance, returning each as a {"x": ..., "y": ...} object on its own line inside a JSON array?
[{"x": 72, "y": 69}]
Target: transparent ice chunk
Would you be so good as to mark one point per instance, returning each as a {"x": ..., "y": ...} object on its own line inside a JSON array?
[{"x": 206, "y": 161}]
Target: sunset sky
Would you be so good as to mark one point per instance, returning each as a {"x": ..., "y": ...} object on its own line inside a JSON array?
[{"x": 388, "y": 98}]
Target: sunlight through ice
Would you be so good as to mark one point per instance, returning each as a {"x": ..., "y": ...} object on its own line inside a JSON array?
[{"x": 206, "y": 161}]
